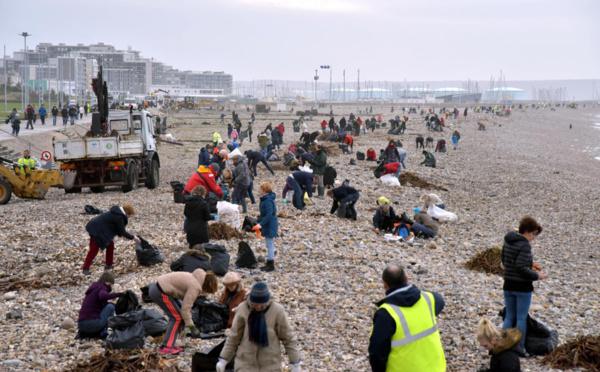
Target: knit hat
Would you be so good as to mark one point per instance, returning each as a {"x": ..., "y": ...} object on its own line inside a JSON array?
[
  {"x": 231, "y": 277},
  {"x": 259, "y": 294},
  {"x": 382, "y": 200},
  {"x": 416, "y": 210}
]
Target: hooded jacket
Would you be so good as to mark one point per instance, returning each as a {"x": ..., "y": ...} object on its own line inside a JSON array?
[
  {"x": 504, "y": 357},
  {"x": 205, "y": 177},
  {"x": 105, "y": 227},
  {"x": 197, "y": 214},
  {"x": 384, "y": 221},
  {"x": 96, "y": 298},
  {"x": 249, "y": 357},
  {"x": 391, "y": 154},
  {"x": 190, "y": 262},
  {"x": 268, "y": 215},
  {"x": 517, "y": 261},
  {"x": 203, "y": 157},
  {"x": 384, "y": 325},
  {"x": 183, "y": 286}
]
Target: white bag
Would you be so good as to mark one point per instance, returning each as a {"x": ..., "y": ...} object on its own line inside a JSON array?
[
  {"x": 229, "y": 213},
  {"x": 235, "y": 153},
  {"x": 305, "y": 168},
  {"x": 390, "y": 180},
  {"x": 441, "y": 214}
]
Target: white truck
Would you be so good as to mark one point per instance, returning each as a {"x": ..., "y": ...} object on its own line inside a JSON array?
[{"x": 124, "y": 156}]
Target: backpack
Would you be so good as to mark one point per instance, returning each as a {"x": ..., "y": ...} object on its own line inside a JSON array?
[
  {"x": 147, "y": 254},
  {"x": 126, "y": 331},
  {"x": 360, "y": 155},
  {"x": 209, "y": 316},
  {"x": 371, "y": 154},
  {"x": 329, "y": 176},
  {"x": 127, "y": 302},
  {"x": 246, "y": 258}
]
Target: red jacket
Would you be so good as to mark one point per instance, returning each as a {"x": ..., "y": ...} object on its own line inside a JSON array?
[
  {"x": 281, "y": 128},
  {"x": 391, "y": 168},
  {"x": 205, "y": 177},
  {"x": 348, "y": 140},
  {"x": 324, "y": 124}
]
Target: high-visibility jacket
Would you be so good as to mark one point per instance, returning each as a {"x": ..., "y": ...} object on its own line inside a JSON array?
[
  {"x": 26, "y": 162},
  {"x": 416, "y": 345},
  {"x": 216, "y": 137}
]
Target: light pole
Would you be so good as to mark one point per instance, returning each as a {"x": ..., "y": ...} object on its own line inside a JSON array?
[
  {"x": 24, "y": 97},
  {"x": 316, "y": 79},
  {"x": 328, "y": 67}
]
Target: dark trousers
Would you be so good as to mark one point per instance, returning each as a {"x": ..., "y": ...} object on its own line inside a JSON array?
[
  {"x": 254, "y": 163},
  {"x": 172, "y": 308},
  {"x": 97, "y": 326},
  {"x": 29, "y": 124},
  {"x": 239, "y": 197},
  {"x": 43, "y": 119},
  {"x": 93, "y": 252}
]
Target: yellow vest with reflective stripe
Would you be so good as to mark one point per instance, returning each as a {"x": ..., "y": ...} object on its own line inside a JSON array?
[
  {"x": 416, "y": 345},
  {"x": 29, "y": 163}
]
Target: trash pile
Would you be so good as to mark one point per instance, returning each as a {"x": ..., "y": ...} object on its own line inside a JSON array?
[
  {"x": 222, "y": 231},
  {"x": 126, "y": 361},
  {"x": 411, "y": 179},
  {"x": 581, "y": 352},
  {"x": 488, "y": 261}
]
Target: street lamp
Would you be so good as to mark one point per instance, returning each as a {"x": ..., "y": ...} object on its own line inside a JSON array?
[
  {"x": 316, "y": 78},
  {"x": 24, "y": 97},
  {"x": 327, "y": 67}
]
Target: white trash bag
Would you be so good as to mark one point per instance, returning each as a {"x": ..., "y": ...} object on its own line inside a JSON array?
[
  {"x": 229, "y": 213},
  {"x": 390, "y": 180}
]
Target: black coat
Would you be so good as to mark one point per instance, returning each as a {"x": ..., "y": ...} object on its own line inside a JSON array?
[
  {"x": 517, "y": 261},
  {"x": 105, "y": 227},
  {"x": 384, "y": 222},
  {"x": 197, "y": 214},
  {"x": 218, "y": 262},
  {"x": 189, "y": 263},
  {"x": 505, "y": 361}
]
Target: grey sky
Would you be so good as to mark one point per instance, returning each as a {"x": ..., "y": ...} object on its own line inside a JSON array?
[{"x": 287, "y": 39}]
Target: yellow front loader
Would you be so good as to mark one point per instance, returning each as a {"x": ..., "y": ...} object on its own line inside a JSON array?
[{"x": 28, "y": 183}]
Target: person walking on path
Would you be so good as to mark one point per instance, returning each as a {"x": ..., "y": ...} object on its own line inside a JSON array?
[
  {"x": 30, "y": 115},
  {"x": 103, "y": 229},
  {"x": 42, "y": 112},
  {"x": 54, "y": 115},
  {"x": 259, "y": 328},
  {"x": 95, "y": 308},
  {"x": 405, "y": 335},
  {"x": 64, "y": 113},
  {"x": 167, "y": 292},
  {"x": 502, "y": 346},
  {"x": 268, "y": 222},
  {"x": 15, "y": 123},
  {"x": 520, "y": 271},
  {"x": 73, "y": 113}
]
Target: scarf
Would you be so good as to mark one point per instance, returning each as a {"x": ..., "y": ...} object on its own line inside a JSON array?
[{"x": 257, "y": 327}]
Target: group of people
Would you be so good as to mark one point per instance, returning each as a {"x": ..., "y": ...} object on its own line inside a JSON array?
[
  {"x": 405, "y": 334},
  {"x": 67, "y": 112}
]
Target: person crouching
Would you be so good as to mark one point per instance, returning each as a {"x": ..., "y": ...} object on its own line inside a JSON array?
[
  {"x": 502, "y": 345},
  {"x": 168, "y": 290},
  {"x": 95, "y": 308},
  {"x": 233, "y": 294}
]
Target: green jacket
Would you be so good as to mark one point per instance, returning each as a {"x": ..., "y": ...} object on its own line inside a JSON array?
[{"x": 319, "y": 163}]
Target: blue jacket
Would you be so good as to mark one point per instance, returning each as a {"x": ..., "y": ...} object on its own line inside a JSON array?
[
  {"x": 268, "y": 215},
  {"x": 105, "y": 227},
  {"x": 384, "y": 326},
  {"x": 305, "y": 180},
  {"x": 42, "y": 111}
]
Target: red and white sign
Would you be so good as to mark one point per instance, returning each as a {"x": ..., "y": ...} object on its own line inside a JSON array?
[{"x": 46, "y": 156}]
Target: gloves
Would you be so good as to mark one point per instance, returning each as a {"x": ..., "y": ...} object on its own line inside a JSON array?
[
  {"x": 221, "y": 365},
  {"x": 193, "y": 330},
  {"x": 256, "y": 227},
  {"x": 296, "y": 367}
]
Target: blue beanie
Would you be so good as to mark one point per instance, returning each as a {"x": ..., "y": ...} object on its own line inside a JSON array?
[
  {"x": 259, "y": 294},
  {"x": 416, "y": 210}
]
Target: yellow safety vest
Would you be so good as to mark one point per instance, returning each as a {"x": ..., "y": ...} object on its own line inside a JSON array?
[
  {"x": 416, "y": 345},
  {"x": 29, "y": 163}
]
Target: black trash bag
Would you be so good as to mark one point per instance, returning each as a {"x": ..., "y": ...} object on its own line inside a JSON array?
[
  {"x": 177, "y": 191},
  {"x": 146, "y": 294},
  {"x": 127, "y": 302},
  {"x": 126, "y": 331},
  {"x": 147, "y": 254},
  {"x": 329, "y": 176},
  {"x": 248, "y": 223},
  {"x": 154, "y": 323},
  {"x": 90, "y": 209},
  {"x": 207, "y": 362},
  {"x": 219, "y": 258},
  {"x": 245, "y": 257},
  {"x": 540, "y": 339},
  {"x": 209, "y": 316},
  {"x": 360, "y": 155}
]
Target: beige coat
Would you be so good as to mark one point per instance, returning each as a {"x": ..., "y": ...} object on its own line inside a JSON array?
[
  {"x": 184, "y": 286},
  {"x": 251, "y": 358}
]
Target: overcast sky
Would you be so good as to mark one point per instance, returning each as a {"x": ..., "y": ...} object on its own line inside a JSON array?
[{"x": 287, "y": 39}]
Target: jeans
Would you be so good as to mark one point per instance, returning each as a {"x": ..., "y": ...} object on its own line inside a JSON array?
[
  {"x": 54, "y": 120},
  {"x": 65, "y": 119},
  {"x": 250, "y": 193},
  {"x": 270, "y": 249},
  {"x": 97, "y": 326},
  {"x": 517, "y": 308}
]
